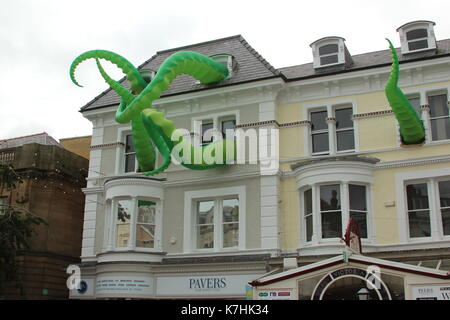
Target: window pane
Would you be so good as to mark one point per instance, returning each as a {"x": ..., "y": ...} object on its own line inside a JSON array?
[
  {"x": 130, "y": 162},
  {"x": 330, "y": 198},
  {"x": 307, "y": 195},
  {"x": 230, "y": 235},
  {"x": 416, "y": 45},
  {"x": 345, "y": 140},
  {"x": 331, "y": 224},
  {"x": 129, "y": 147},
  {"x": 417, "y": 195},
  {"x": 320, "y": 142},
  {"x": 309, "y": 227},
  {"x": 227, "y": 125},
  {"x": 415, "y": 103},
  {"x": 205, "y": 237},
  {"x": 361, "y": 220},
  {"x": 438, "y": 105},
  {"x": 446, "y": 221},
  {"x": 416, "y": 34},
  {"x": 205, "y": 212},
  {"x": 444, "y": 193},
  {"x": 146, "y": 212},
  {"x": 344, "y": 118},
  {"x": 145, "y": 235},
  {"x": 207, "y": 135},
  {"x": 124, "y": 211},
  {"x": 440, "y": 129},
  {"x": 231, "y": 210},
  {"x": 328, "y": 60},
  {"x": 357, "y": 197},
  {"x": 318, "y": 120},
  {"x": 328, "y": 48},
  {"x": 123, "y": 235},
  {"x": 419, "y": 224}
]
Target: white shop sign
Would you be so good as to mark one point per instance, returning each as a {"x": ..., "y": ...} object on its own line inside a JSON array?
[
  {"x": 431, "y": 292},
  {"x": 131, "y": 285},
  {"x": 204, "y": 285}
]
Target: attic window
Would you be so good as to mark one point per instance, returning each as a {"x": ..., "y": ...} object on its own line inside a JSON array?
[
  {"x": 417, "y": 36},
  {"x": 329, "y": 51},
  {"x": 226, "y": 60}
]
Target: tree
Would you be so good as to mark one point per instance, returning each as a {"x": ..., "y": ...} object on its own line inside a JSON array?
[{"x": 16, "y": 226}]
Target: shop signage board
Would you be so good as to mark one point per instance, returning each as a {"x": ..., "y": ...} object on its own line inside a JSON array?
[
  {"x": 207, "y": 285},
  {"x": 431, "y": 292},
  {"x": 126, "y": 285},
  {"x": 274, "y": 294}
]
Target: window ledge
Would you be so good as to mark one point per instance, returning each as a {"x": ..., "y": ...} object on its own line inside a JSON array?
[{"x": 136, "y": 255}]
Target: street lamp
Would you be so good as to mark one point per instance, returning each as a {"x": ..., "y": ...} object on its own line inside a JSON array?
[{"x": 363, "y": 294}]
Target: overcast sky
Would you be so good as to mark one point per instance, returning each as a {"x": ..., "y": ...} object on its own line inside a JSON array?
[{"x": 40, "y": 38}]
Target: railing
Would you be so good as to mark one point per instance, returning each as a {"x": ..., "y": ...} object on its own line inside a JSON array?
[{"x": 7, "y": 156}]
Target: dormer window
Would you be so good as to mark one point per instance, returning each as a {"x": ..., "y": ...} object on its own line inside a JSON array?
[
  {"x": 329, "y": 51},
  {"x": 417, "y": 36},
  {"x": 226, "y": 60}
]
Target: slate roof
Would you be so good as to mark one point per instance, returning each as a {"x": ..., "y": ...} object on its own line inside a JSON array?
[
  {"x": 364, "y": 61},
  {"x": 250, "y": 66}
]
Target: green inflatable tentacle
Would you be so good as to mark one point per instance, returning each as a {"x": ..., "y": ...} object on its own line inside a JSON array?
[
  {"x": 411, "y": 127},
  {"x": 136, "y": 80},
  {"x": 183, "y": 62}
]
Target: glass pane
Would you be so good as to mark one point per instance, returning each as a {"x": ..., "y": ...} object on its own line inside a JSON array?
[
  {"x": 309, "y": 227},
  {"x": 446, "y": 221},
  {"x": 438, "y": 105},
  {"x": 308, "y": 201},
  {"x": 320, "y": 142},
  {"x": 345, "y": 140},
  {"x": 231, "y": 210},
  {"x": 230, "y": 235},
  {"x": 416, "y": 45},
  {"x": 331, "y": 224},
  {"x": 344, "y": 118},
  {"x": 205, "y": 211},
  {"x": 417, "y": 195},
  {"x": 444, "y": 193},
  {"x": 357, "y": 197},
  {"x": 318, "y": 120},
  {"x": 205, "y": 237},
  {"x": 328, "y": 48},
  {"x": 416, "y": 34},
  {"x": 145, "y": 235},
  {"x": 122, "y": 235},
  {"x": 130, "y": 162},
  {"x": 129, "y": 147},
  {"x": 361, "y": 220},
  {"x": 330, "y": 198},
  {"x": 419, "y": 224},
  {"x": 227, "y": 125},
  {"x": 146, "y": 212},
  {"x": 440, "y": 129},
  {"x": 415, "y": 103},
  {"x": 207, "y": 135},
  {"x": 124, "y": 211},
  {"x": 328, "y": 60}
]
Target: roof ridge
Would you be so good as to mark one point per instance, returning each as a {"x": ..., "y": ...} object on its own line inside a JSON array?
[
  {"x": 197, "y": 44},
  {"x": 27, "y": 136}
]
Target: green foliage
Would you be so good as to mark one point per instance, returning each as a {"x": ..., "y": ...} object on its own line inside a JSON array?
[{"x": 16, "y": 226}]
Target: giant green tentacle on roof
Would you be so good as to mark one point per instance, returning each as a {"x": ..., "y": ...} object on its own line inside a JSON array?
[
  {"x": 148, "y": 124},
  {"x": 411, "y": 127}
]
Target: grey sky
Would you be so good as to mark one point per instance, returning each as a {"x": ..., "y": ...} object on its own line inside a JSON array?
[{"x": 40, "y": 38}]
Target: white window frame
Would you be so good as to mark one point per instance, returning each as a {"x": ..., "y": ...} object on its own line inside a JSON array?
[
  {"x": 325, "y": 41},
  {"x": 111, "y": 222},
  {"x": 345, "y": 212},
  {"x": 227, "y": 60},
  {"x": 431, "y": 39},
  {"x": 425, "y": 116},
  {"x": 190, "y": 215},
  {"x": 332, "y": 137},
  {"x": 431, "y": 177},
  {"x": 196, "y": 124}
]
